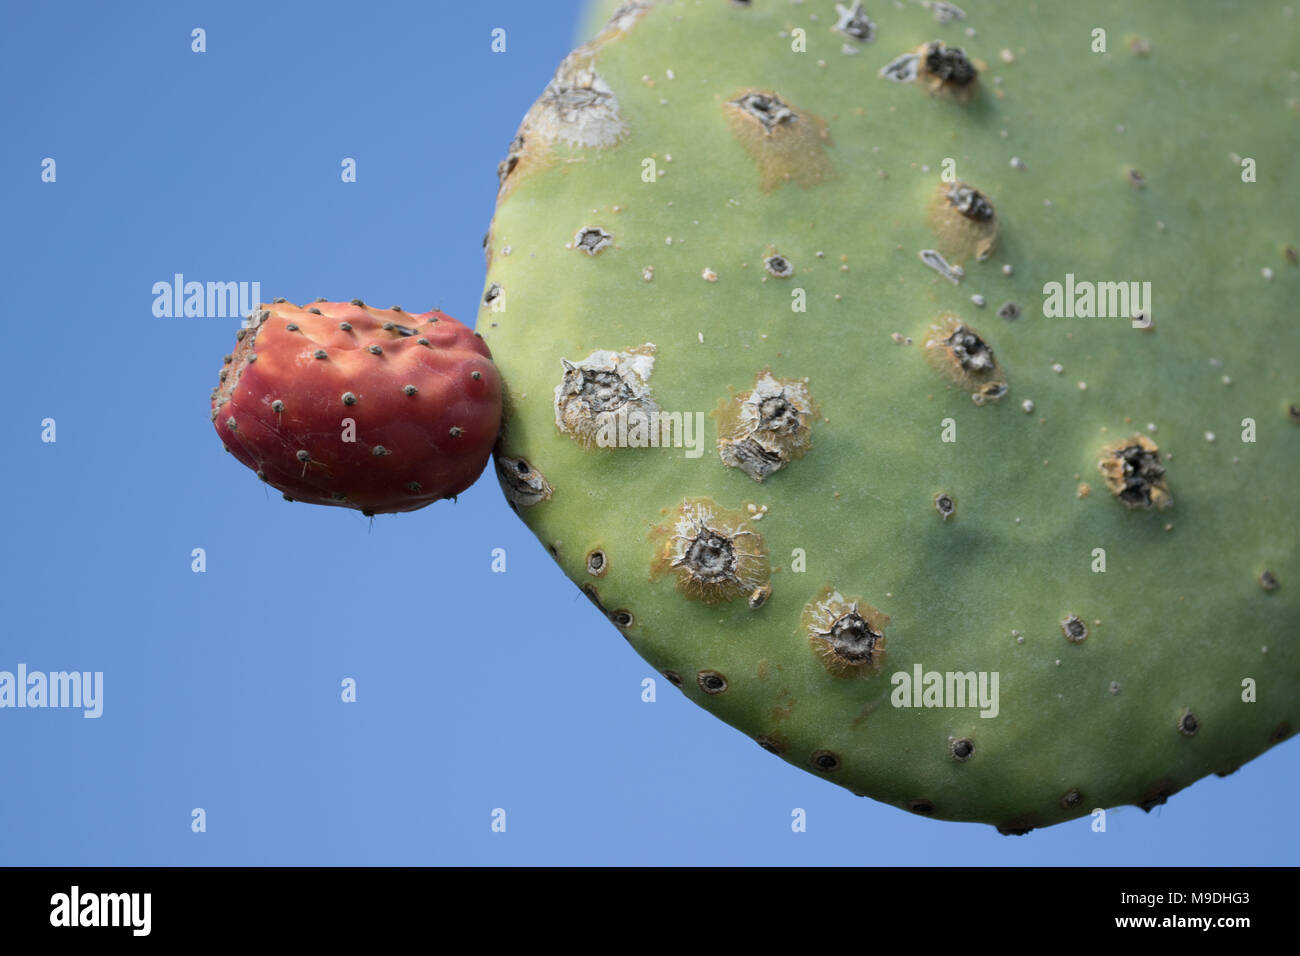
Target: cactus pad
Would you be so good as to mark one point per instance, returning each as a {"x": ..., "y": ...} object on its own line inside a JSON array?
[{"x": 940, "y": 542}]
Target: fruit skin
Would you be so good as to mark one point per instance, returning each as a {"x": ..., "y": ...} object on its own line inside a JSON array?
[
  {"x": 1182, "y": 614},
  {"x": 374, "y": 409}
]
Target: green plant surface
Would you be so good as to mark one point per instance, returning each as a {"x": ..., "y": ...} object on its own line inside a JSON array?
[{"x": 1128, "y": 167}]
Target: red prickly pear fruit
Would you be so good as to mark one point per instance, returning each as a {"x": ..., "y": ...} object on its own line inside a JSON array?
[{"x": 374, "y": 409}]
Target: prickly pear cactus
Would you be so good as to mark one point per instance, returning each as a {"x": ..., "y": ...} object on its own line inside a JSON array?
[
  {"x": 414, "y": 397},
  {"x": 954, "y": 537}
]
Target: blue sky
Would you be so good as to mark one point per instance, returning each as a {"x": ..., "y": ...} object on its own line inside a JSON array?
[{"x": 222, "y": 688}]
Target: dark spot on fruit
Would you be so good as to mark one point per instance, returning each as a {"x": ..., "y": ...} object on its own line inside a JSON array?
[
  {"x": 1281, "y": 732},
  {"x": 1070, "y": 799},
  {"x": 1268, "y": 581},
  {"x": 349, "y": 398},
  {"x": 771, "y": 744},
  {"x": 1009, "y": 311},
  {"x": 944, "y": 504},
  {"x": 320, "y": 354},
  {"x": 622, "y": 618},
  {"x": 962, "y": 748},
  {"x": 375, "y": 350},
  {"x": 1188, "y": 725},
  {"x": 673, "y": 678},
  {"x": 596, "y": 563},
  {"x": 924, "y": 807},
  {"x": 314, "y": 311}
]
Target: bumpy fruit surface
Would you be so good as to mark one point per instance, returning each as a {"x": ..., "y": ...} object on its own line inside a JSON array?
[
  {"x": 375, "y": 409},
  {"x": 911, "y": 468}
]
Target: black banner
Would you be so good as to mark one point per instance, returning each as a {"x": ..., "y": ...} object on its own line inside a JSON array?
[{"x": 926, "y": 905}]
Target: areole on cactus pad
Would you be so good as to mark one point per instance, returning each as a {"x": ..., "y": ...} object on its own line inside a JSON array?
[{"x": 943, "y": 547}]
